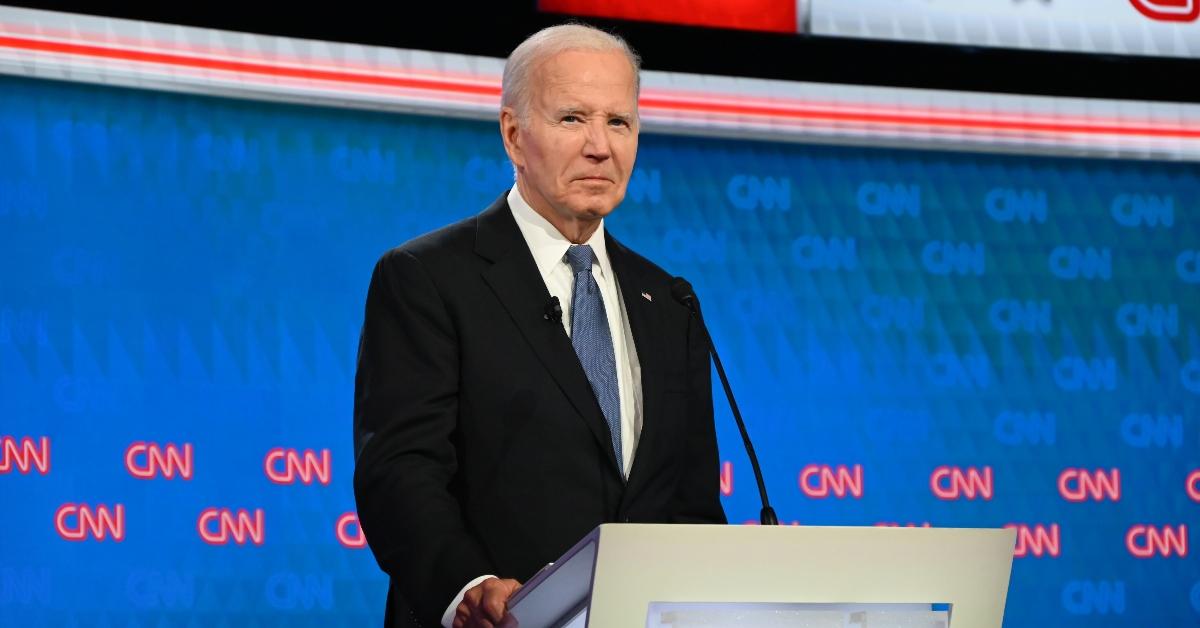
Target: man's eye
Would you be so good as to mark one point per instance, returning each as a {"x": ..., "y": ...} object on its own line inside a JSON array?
[
  {"x": 570, "y": 118},
  {"x": 619, "y": 122}
]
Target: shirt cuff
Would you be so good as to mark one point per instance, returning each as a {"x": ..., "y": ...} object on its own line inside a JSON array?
[{"x": 448, "y": 616}]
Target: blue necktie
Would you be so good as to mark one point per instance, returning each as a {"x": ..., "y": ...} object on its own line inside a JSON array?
[{"x": 593, "y": 342}]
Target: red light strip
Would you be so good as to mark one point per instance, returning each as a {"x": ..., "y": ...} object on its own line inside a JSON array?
[
  {"x": 245, "y": 67},
  {"x": 927, "y": 119},
  {"x": 789, "y": 114}
]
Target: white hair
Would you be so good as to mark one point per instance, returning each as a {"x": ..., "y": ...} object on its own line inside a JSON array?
[{"x": 546, "y": 43}]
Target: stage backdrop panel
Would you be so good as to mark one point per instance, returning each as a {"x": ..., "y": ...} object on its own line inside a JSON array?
[{"x": 917, "y": 338}]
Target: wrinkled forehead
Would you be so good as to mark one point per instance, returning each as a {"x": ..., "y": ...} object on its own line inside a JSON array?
[{"x": 588, "y": 79}]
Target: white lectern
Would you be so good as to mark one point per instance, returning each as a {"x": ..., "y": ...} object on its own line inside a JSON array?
[{"x": 634, "y": 575}]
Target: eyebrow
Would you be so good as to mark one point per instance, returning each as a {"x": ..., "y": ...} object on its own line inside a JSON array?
[{"x": 575, "y": 110}]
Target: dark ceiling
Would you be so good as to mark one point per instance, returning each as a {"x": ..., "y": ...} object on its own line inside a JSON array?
[{"x": 493, "y": 28}]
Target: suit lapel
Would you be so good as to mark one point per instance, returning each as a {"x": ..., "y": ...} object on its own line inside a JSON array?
[
  {"x": 645, "y": 323},
  {"x": 515, "y": 280}
]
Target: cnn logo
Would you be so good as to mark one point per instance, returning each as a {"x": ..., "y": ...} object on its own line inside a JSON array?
[
  {"x": 221, "y": 526},
  {"x": 1036, "y": 540},
  {"x": 821, "y": 480},
  {"x": 1080, "y": 485},
  {"x": 147, "y": 461},
  {"x": 1168, "y": 10},
  {"x": 24, "y": 455},
  {"x": 949, "y": 483},
  {"x": 349, "y": 532},
  {"x": 288, "y": 466},
  {"x": 80, "y": 522},
  {"x": 1146, "y": 541}
]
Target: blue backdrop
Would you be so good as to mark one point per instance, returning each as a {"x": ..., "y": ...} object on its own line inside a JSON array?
[{"x": 916, "y": 338}]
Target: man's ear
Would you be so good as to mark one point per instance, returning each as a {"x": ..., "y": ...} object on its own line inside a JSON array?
[{"x": 510, "y": 132}]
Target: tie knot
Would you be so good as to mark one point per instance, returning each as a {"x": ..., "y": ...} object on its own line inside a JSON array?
[{"x": 580, "y": 256}]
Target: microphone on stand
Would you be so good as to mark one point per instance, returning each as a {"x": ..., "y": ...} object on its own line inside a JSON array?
[{"x": 682, "y": 292}]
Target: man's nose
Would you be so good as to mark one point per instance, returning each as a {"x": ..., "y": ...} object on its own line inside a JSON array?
[{"x": 596, "y": 145}]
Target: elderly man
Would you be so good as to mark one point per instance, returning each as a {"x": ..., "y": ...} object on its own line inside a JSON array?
[{"x": 522, "y": 376}]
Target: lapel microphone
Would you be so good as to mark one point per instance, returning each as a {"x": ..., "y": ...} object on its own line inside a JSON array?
[
  {"x": 682, "y": 292},
  {"x": 552, "y": 311}
]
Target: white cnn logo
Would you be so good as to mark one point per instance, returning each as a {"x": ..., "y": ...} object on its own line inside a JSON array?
[{"x": 1168, "y": 10}]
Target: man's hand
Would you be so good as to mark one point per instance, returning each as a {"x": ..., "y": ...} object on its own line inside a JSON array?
[{"x": 485, "y": 605}]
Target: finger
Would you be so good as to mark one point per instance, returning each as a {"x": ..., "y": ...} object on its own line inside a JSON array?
[{"x": 495, "y": 601}]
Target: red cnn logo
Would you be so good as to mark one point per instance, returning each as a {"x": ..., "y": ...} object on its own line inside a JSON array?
[
  {"x": 1080, "y": 485},
  {"x": 219, "y": 526},
  {"x": 1037, "y": 540},
  {"x": 1145, "y": 541},
  {"x": 77, "y": 522},
  {"x": 24, "y": 455},
  {"x": 295, "y": 465},
  {"x": 840, "y": 481},
  {"x": 349, "y": 532},
  {"x": 1168, "y": 10},
  {"x": 727, "y": 478},
  {"x": 147, "y": 460},
  {"x": 953, "y": 483},
  {"x": 1193, "y": 485}
]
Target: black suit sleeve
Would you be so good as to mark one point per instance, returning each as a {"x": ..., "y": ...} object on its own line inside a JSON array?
[
  {"x": 698, "y": 496},
  {"x": 405, "y": 414}
]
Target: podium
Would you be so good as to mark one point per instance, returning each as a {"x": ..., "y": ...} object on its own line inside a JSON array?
[{"x": 658, "y": 575}]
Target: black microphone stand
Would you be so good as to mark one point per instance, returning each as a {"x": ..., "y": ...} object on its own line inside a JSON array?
[{"x": 683, "y": 292}]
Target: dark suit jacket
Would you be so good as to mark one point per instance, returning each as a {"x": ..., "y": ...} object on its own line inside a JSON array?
[{"x": 480, "y": 446}]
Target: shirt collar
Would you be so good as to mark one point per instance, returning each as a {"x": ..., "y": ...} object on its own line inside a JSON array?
[{"x": 548, "y": 245}]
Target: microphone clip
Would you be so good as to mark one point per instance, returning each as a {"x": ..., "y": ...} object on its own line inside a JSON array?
[{"x": 552, "y": 310}]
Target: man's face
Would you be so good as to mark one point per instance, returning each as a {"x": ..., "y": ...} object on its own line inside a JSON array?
[{"x": 577, "y": 149}]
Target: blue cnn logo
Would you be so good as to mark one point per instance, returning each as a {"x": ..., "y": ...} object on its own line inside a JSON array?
[
  {"x": 1019, "y": 428},
  {"x": 1072, "y": 262},
  {"x": 748, "y": 192},
  {"x": 1141, "y": 319},
  {"x": 957, "y": 258},
  {"x": 1189, "y": 376},
  {"x": 949, "y": 370},
  {"x": 363, "y": 165},
  {"x": 645, "y": 186},
  {"x": 1010, "y": 204},
  {"x": 1147, "y": 430},
  {"x": 150, "y": 589},
  {"x": 897, "y": 199},
  {"x": 813, "y": 252},
  {"x": 290, "y": 591},
  {"x": 1094, "y": 597},
  {"x": 25, "y": 586},
  {"x": 884, "y": 312},
  {"x": 1136, "y": 210},
  {"x": 694, "y": 245},
  {"x": 1075, "y": 373},
  {"x": 1009, "y": 316},
  {"x": 1188, "y": 266},
  {"x": 487, "y": 176}
]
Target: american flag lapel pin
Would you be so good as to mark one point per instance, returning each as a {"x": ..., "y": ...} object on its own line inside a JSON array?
[{"x": 646, "y": 296}]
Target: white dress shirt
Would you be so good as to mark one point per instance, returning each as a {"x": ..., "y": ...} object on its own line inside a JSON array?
[{"x": 549, "y": 249}]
